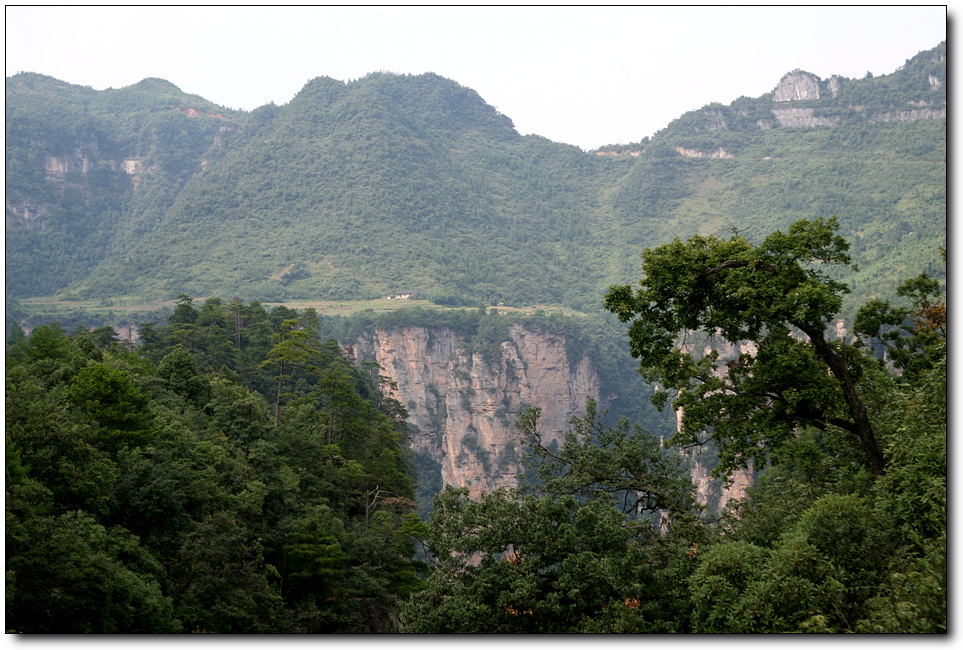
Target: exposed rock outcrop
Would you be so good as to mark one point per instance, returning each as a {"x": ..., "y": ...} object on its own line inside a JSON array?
[
  {"x": 69, "y": 172},
  {"x": 695, "y": 153},
  {"x": 802, "y": 86},
  {"x": 802, "y": 117},
  {"x": 834, "y": 84},
  {"x": 25, "y": 215},
  {"x": 910, "y": 115},
  {"x": 465, "y": 405},
  {"x": 797, "y": 85},
  {"x": 713, "y": 493}
]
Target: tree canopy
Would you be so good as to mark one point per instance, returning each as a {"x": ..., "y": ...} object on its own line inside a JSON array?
[
  {"x": 779, "y": 298},
  {"x": 578, "y": 549},
  {"x": 153, "y": 488},
  {"x": 150, "y": 488},
  {"x": 605, "y": 534}
]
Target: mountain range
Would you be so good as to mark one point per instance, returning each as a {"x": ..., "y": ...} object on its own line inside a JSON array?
[{"x": 392, "y": 183}]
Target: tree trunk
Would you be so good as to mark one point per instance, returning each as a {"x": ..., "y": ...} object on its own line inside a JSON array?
[
  {"x": 277, "y": 403},
  {"x": 840, "y": 370}
]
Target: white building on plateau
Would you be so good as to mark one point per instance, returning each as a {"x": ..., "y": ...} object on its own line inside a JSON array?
[{"x": 406, "y": 295}]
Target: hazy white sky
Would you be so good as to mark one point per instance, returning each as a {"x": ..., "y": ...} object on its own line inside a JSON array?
[{"x": 580, "y": 75}]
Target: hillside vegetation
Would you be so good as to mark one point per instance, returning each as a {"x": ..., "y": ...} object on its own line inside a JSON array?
[
  {"x": 187, "y": 452},
  {"x": 236, "y": 473},
  {"x": 358, "y": 190}
]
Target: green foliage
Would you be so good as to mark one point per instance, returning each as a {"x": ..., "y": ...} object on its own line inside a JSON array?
[
  {"x": 110, "y": 398},
  {"x": 154, "y": 498},
  {"x": 833, "y": 551},
  {"x": 293, "y": 350},
  {"x": 152, "y": 488},
  {"x": 623, "y": 463},
  {"x": 914, "y": 491},
  {"x": 735, "y": 293},
  {"x": 51, "y": 356},
  {"x": 489, "y": 337},
  {"x": 817, "y": 578},
  {"x": 913, "y": 338},
  {"x": 914, "y": 494},
  {"x": 56, "y": 445},
  {"x": 179, "y": 370},
  {"x": 87, "y": 202},
  {"x": 509, "y": 565},
  {"x": 424, "y": 186},
  {"x": 568, "y": 555},
  {"x": 822, "y": 544},
  {"x": 222, "y": 586},
  {"x": 813, "y": 465},
  {"x": 914, "y": 600},
  {"x": 230, "y": 522},
  {"x": 723, "y": 574},
  {"x": 71, "y": 575}
]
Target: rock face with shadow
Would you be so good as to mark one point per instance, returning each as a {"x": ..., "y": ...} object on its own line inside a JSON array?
[{"x": 464, "y": 403}]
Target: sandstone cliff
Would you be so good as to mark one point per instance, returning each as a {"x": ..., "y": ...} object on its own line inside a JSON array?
[
  {"x": 804, "y": 86},
  {"x": 68, "y": 172},
  {"x": 796, "y": 85},
  {"x": 464, "y": 405},
  {"x": 710, "y": 491}
]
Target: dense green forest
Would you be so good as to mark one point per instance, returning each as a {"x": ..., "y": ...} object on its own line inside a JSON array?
[
  {"x": 226, "y": 465},
  {"x": 357, "y": 190},
  {"x": 234, "y": 472},
  {"x": 606, "y": 535}
]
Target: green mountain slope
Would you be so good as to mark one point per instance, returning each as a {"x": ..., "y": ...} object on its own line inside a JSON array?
[
  {"x": 357, "y": 190},
  {"x": 88, "y": 172}
]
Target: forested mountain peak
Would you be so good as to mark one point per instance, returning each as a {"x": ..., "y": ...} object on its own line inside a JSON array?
[
  {"x": 355, "y": 189},
  {"x": 803, "y": 99},
  {"x": 149, "y": 94},
  {"x": 156, "y": 94},
  {"x": 431, "y": 101},
  {"x": 155, "y": 84},
  {"x": 25, "y": 82}
]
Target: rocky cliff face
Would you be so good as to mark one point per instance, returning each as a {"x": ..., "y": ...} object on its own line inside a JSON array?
[
  {"x": 797, "y": 85},
  {"x": 695, "y": 153},
  {"x": 464, "y": 404},
  {"x": 68, "y": 172},
  {"x": 710, "y": 491},
  {"x": 802, "y": 117}
]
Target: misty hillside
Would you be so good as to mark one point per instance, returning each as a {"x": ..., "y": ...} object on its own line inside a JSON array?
[{"x": 358, "y": 190}]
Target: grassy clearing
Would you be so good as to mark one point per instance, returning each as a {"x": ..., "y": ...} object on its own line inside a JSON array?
[{"x": 50, "y": 308}]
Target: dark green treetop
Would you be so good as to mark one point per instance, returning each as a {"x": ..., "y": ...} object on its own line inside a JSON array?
[
  {"x": 914, "y": 337},
  {"x": 778, "y": 297},
  {"x": 579, "y": 549}
]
